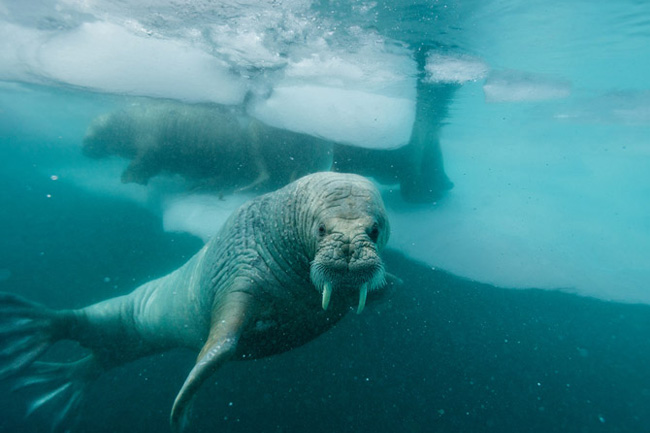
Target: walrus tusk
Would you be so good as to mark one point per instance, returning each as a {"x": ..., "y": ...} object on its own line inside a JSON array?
[
  {"x": 327, "y": 292},
  {"x": 363, "y": 293}
]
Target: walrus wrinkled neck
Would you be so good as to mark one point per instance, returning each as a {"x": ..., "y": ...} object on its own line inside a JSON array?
[{"x": 284, "y": 223}]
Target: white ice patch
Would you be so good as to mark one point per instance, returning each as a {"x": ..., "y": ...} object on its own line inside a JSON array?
[
  {"x": 517, "y": 86},
  {"x": 458, "y": 69},
  {"x": 106, "y": 57},
  {"x": 348, "y": 116},
  {"x": 199, "y": 214},
  {"x": 364, "y": 98},
  {"x": 515, "y": 241}
]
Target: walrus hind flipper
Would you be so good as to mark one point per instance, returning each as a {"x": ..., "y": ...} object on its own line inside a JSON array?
[
  {"x": 225, "y": 330},
  {"x": 58, "y": 389},
  {"x": 27, "y": 330}
]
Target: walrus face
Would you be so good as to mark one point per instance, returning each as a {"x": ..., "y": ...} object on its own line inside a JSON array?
[{"x": 351, "y": 232}]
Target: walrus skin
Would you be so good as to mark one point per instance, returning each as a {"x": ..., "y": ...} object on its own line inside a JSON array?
[{"x": 285, "y": 268}]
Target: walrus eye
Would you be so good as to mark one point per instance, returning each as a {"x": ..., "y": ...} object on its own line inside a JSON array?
[
  {"x": 374, "y": 232},
  {"x": 321, "y": 230}
]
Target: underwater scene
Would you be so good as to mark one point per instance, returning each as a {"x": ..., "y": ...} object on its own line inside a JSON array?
[{"x": 400, "y": 216}]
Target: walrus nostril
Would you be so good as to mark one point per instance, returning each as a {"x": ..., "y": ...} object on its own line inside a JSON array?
[{"x": 345, "y": 249}]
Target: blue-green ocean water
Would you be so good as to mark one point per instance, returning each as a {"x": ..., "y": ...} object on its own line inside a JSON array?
[{"x": 550, "y": 196}]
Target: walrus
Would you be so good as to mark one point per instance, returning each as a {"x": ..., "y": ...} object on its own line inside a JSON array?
[
  {"x": 285, "y": 267},
  {"x": 210, "y": 146}
]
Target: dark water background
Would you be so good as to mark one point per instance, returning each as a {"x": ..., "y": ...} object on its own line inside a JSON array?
[{"x": 438, "y": 353}]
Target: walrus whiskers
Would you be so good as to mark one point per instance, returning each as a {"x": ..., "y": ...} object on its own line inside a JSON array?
[{"x": 323, "y": 283}]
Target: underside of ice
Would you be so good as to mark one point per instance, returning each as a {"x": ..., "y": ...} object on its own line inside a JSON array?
[{"x": 365, "y": 97}]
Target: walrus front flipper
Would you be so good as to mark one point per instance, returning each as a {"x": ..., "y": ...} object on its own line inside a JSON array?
[{"x": 227, "y": 325}]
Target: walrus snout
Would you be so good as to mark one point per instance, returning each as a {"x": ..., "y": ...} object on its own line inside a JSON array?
[{"x": 359, "y": 275}]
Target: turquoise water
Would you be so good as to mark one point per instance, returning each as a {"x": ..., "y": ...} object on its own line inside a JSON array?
[{"x": 524, "y": 303}]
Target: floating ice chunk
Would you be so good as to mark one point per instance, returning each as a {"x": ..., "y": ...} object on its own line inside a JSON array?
[
  {"x": 343, "y": 115},
  {"x": 445, "y": 68},
  {"x": 106, "y": 57},
  {"x": 199, "y": 214},
  {"x": 363, "y": 97},
  {"x": 517, "y": 86}
]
